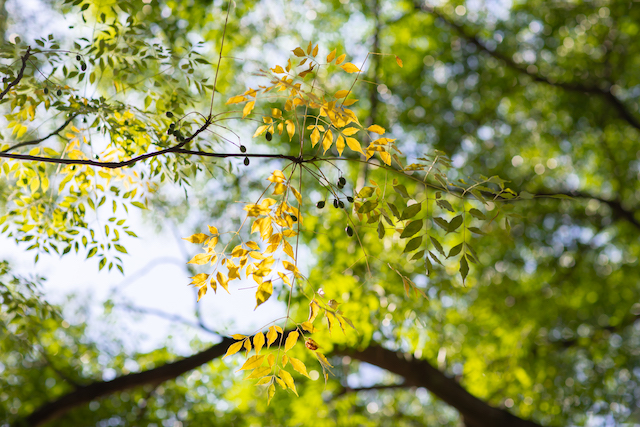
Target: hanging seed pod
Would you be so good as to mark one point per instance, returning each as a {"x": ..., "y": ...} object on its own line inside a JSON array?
[
  {"x": 78, "y": 58},
  {"x": 320, "y": 204},
  {"x": 83, "y": 66},
  {"x": 335, "y": 203},
  {"x": 294, "y": 218},
  {"x": 342, "y": 181},
  {"x": 243, "y": 149},
  {"x": 46, "y": 91},
  {"x": 59, "y": 92},
  {"x": 169, "y": 114},
  {"x": 341, "y": 204},
  {"x": 350, "y": 199},
  {"x": 349, "y": 231},
  {"x": 268, "y": 136},
  {"x": 246, "y": 161}
]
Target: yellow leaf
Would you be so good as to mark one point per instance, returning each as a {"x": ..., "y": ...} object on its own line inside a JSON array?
[
  {"x": 213, "y": 284},
  {"x": 354, "y": 145},
  {"x": 21, "y": 131},
  {"x": 281, "y": 383},
  {"x": 327, "y": 140},
  {"x": 284, "y": 278},
  {"x": 278, "y": 69},
  {"x": 296, "y": 194},
  {"x": 252, "y": 363},
  {"x": 271, "y": 359},
  {"x": 340, "y": 144},
  {"x": 377, "y": 129},
  {"x": 213, "y": 230},
  {"x": 331, "y": 56},
  {"x": 247, "y": 108},
  {"x": 259, "y": 373},
  {"x": 285, "y": 360},
  {"x": 350, "y": 68},
  {"x": 288, "y": 249},
  {"x": 253, "y": 245},
  {"x": 348, "y": 102},
  {"x": 272, "y": 335},
  {"x": 315, "y": 51},
  {"x": 291, "y": 340},
  {"x": 341, "y": 94},
  {"x": 238, "y": 336},
  {"x": 314, "y": 309},
  {"x": 291, "y": 129},
  {"x": 399, "y": 61},
  {"x": 299, "y": 366},
  {"x": 196, "y": 238},
  {"x": 298, "y": 52},
  {"x": 236, "y": 99},
  {"x": 247, "y": 346},
  {"x": 264, "y": 380},
  {"x": 233, "y": 348},
  {"x": 309, "y": 48},
  {"x": 288, "y": 380},
  {"x": 222, "y": 279},
  {"x": 315, "y": 137},
  {"x": 199, "y": 279},
  {"x": 349, "y": 131},
  {"x": 340, "y": 59},
  {"x": 261, "y": 130},
  {"x": 200, "y": 259},
  {"x": 265, "y": 289},
  {"x": 258, "y": 342},
  {"x": 202, "y": 291},
  {"x": 271, "y": 391},
  {"x": 308, "y": 326}
]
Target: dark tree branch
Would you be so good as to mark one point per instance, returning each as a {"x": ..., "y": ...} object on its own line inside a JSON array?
[
  {"x": 420, "y": 373},
  {"x": 39, "y": 140},
  {"x": 572, "y": 87},
  {"x": 615, "y": 205},
  {"x": 116, "y": 165},
  {"x": 20, "y": 75},
  {"x": 379, "y": 387}
]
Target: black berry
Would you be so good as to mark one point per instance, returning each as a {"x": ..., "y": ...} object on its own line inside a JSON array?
[
  {"x": 169, "y": 114},
  {"x": 320, "y": 204},
  {"x": 59, "y": 92},
  {"x": 246, "y": 161},
  {"x": 341, "y": 204},
  {"x": 268, "y": 136},
  {"x": 243, "y": 149},
  {"x": 342, "y": 181},
  {"x": 294, "y": 218},
  {"x": 349, "y": 231},
  {"x": 46, "y": 91},
  {"x": 335, "y": 203},
  {"x": 350, "y": 199},
  {"x": 78, "y": 58},
  {"x": 83, "y": 66}
]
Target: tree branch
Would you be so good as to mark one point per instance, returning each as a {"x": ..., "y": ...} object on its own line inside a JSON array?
[
  {"x": 39, "y": 140},
  {"x": 421, "y": 373},
  {"x": 116, "y": 165},
  {"x": 24, "y": 58},
  {"x": 573, "y": 87},
  {"x": 418, "y": 373}
]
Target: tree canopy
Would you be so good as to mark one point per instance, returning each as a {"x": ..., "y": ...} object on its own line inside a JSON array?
[{"x": 446, "y": 191}]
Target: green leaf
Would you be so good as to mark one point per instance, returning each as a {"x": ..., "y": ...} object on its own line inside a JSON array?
[
  {"x": 401, "y": 190},
  {"x": 477, "y": 214},
  {"x": 445, "y": 205},
  {"x": 455, "y": 250},
  {"x": 394, "y": 210},
  {"x": 381, "y": 230},
  {"x": 454, "y": 224},
  {"x": 411, "y": 211},
  {"x": 413, "y": 244},
  {"x": 120, "y": 248},
  {"x": 412, "y": 228},
  {"x": 464, "y": 268},
  {"x": 437, "y": 245},
  {"x": 366, "y": 192}
]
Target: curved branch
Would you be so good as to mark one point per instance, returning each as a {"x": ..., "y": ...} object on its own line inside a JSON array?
[
  {"x": 421, "y": 373},
  {"x": 573, "y": 87},
  {"x": 39, "y": 140},
  {"x": 20, "y": 75}
]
